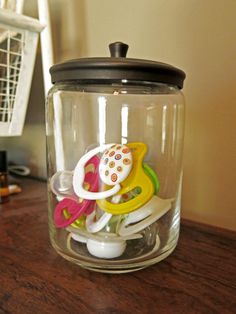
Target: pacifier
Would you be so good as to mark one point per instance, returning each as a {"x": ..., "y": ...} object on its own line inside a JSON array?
[
  {"x": 70, "y": 208},
  {"x": 143, "y": 217},
  {"x": 136, "y": 178},
  {"x": 79, "y": 173},
  {"x": 67, "y": 211}
]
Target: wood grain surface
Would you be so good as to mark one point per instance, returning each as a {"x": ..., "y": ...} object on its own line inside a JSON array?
[{"x": 199, "y": 277}]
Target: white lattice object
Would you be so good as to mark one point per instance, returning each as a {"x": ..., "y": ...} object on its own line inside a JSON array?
[{"x": 18, "y": 44}]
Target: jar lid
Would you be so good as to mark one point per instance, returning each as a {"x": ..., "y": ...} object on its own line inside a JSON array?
[{"x": 117, "y": 68}]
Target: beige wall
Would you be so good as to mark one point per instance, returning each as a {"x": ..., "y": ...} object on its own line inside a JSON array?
[{"x": 195, "y": 35}]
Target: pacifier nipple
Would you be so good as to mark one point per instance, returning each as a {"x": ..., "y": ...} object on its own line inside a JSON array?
[{"x": 115, "y": 164}]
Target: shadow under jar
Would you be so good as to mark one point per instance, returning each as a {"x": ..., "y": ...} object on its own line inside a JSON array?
[{"x": 115, "y": 130}]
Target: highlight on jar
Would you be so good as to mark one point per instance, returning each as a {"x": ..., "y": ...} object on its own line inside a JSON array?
[{"x": 109, "y": 200}]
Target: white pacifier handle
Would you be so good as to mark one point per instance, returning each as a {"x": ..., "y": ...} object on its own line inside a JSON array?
[
  {"x": 92, "y": 226},
  {"x": 79, "y": 174}
]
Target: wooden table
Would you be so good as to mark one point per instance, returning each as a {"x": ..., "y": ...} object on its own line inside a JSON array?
[{"x": 199, "y": 277}]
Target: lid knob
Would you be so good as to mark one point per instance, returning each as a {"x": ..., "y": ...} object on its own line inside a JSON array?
[{"x": 118, "y": 49}]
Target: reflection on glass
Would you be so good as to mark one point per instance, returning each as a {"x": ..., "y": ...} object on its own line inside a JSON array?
[
  {"x": 164, "y": 126},
  {"x": 102, "y": 119},
  {"x": 124, "y": 124}
]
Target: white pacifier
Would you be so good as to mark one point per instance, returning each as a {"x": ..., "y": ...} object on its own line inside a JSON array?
[
  {"x": 114, "y": 167},
  {"x": 144, "y": 216},
  {"x": 79, "y": 174}
]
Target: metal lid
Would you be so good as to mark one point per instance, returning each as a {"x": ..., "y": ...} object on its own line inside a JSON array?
[{"x": 117, "y": 68}]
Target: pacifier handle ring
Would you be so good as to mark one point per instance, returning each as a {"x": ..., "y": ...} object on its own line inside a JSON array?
[
  {"x": 79, "y": 174},
  {"x": 92, "y": 226}
]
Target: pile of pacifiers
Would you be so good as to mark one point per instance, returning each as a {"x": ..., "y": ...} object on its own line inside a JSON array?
[{"x": 109, "y": 198}]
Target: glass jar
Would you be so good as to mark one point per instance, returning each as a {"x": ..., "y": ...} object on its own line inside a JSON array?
[{"x": 115, "y": 130}]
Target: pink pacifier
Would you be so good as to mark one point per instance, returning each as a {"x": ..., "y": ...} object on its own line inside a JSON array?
[{"x": 75, "y": 208}]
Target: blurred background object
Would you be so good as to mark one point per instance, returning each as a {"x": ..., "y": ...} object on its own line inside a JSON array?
[
  {"x": 12, "y": 5},
  {"x": 18, "y": 43}
]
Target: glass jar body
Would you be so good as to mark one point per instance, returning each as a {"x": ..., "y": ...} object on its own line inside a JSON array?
[{"x": 138, "y": 225}]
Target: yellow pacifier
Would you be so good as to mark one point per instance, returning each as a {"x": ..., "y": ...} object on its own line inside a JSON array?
[{"x": 137, "y": 178}]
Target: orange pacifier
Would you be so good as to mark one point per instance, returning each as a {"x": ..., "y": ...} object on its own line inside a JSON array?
[{"x": 136, "y": 179}]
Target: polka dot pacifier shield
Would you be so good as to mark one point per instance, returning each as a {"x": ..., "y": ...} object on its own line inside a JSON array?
[
  {"x": 136, "y": 178},
  {"x": 115, "y": 164}
]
